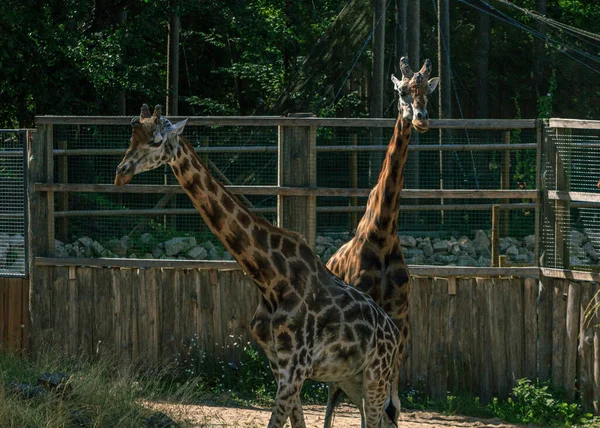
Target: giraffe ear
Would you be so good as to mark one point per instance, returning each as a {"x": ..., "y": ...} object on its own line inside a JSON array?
[
  {"x": 177, "y": 129},
  {"x": 396, "y": 82},
  {"x": 432, "y": 84}
]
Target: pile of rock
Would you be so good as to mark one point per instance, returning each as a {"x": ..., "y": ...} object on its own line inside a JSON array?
[
  {"x": 462, "y": 251},
  {"x": 12, "y": 253}
]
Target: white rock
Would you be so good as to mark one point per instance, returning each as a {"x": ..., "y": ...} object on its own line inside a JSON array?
[
  {"x": 86, "y": 241},
  {"x": 408, "y": 241},
  {"x": 529, "y": 242},
  {"x": 146, "y": 238},
  {"x": 578, "y": 238},
  {"x": 157, "y": 253},
  {"x": 481, "y": 242},
  {"x": 512, "y": 251},
  {"x": 208, "y": 245},
  {"x": 324, "y": 240},
  {"x": 590, "y": 251},
  {"x": 178, "y": 245},
  {"x": 427, "y": 249},
  {"x": 440, "y": 246},
  {"x": 197, "y": 253}
]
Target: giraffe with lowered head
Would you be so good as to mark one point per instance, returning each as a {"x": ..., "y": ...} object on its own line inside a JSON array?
[
  {"x": 372, "y": 261},
  {"x": 309, "y": 322}
]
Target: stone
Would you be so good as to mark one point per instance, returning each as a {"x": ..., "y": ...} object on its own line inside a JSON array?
[
  {"x": 456, "y": 249},
  {"x": 418, "y": 259},
  {"x": 484, "y": 261},
  {"x": 133, "y": 256},
  {"x": 328, "y": 253},
  {"x": 590, "y": 251},
  {"x": 524, "y": 250},
  {"x": 147, "y": 256},
  {"x": 97, "y": 248},
  {"x": 529, "y": 242},
  {"x": 125, "y": 241},
  {"x": 197, "y": 253},
  {"x": 213, "y": 254},
  {"x": 447, "y": 258},
  {"x": 324, "y": 240},
  {"x": 578, "y": 238},
  {"x": 208, "y": 245},
  {"x": 17, "y": 241},
  {"x": 427, "y": 249},
  {"x": 227, "y": 255},
  {"x": 157, "y": 253},
  {"x": 86, "y": 241},
  {"x": 116, "y": 246},
  {"x": 512, "y": 251},
  {"x": 413, "y": 252},
  {"x": 4, "y": 248},
  {"x": 504, "y": 244},
  {"x": 482, "y": 242},
  {"x": 320, "y": 248},
  {"x": 178, "y": 245},
  {"x": 408, "y": 241},
  {"x": 440, "y": 246},
  {"x": 576, "y": 261},
  {"x": 465, "y": 260},
  {"x": 146, "y": 238},
  {"x": 523, "y": 258},
  {"x": 468, "y": 247}
]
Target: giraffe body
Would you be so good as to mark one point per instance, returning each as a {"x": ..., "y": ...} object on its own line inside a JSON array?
[
  {"x": 372, "y": 261},
  {"x": 309, "y": 322}
]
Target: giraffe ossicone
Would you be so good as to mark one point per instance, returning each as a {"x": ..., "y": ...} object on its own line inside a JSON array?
[{"x": 310, "y": 324}]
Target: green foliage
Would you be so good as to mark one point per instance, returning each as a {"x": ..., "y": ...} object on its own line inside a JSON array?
[
  {"x": 535, "y": 403},
  {"x": 544, "y": 102}
]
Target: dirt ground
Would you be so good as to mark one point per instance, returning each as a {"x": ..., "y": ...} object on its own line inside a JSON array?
[{"x": 206, "y": 415}]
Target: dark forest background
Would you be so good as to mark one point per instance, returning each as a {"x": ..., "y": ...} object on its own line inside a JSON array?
[{"x": 270, "y": 57}]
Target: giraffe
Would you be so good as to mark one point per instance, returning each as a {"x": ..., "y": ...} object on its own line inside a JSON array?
[
  {"x": 309, "y": 323},
  {"x": 372, "y": 261}
]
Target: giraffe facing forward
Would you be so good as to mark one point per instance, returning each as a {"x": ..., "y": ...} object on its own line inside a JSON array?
[
  {"x": 309, "y": 323},
  {"x": 373, "y": 261}
]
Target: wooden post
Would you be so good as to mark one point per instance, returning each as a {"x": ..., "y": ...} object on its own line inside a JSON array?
[
  {"x": 297, "y": 168},
  {"x": 540, "y": 195},
  {"x": 50, "y": 195},
  {"x": 38, "y": 226},
  {"x": 353, "y": 172},
  {"x": 63, "y": 197},
  {"x": 173, "y": 66},
  {"x": 495, "y": 235},
  {"x": 562, "y": 219},
  {"x": 505, "y": 181}
]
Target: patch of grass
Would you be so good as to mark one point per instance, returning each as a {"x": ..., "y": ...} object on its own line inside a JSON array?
[{"x": 100, "y": 393}]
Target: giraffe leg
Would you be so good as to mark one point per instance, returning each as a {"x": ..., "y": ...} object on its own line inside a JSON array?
[
  {"x": 287, "y": 404},
  {"x": 377, "y": 386},
  {"x": 334, "y": 396},
  {"x": 297, "y": 415}
]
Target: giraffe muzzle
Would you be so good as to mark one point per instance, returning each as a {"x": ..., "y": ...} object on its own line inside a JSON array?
[{"x": 421, "y": 125}]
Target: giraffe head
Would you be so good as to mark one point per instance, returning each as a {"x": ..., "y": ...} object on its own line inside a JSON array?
[
  {"x": 413, "y": 89},
  {"x": 153, "y": 138}
]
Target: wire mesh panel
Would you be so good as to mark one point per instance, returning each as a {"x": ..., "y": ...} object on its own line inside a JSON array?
[
  {"x": 570, "y": 235},
  {"x": 13, "y": 224},
  {"x": 152, "y": 225},
  {"x": 434, "y": 231}
]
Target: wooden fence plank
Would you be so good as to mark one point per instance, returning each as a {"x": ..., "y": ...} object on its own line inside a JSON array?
[
  {"x": 205, "y": 329},
  {"x": 189, "y": 309},
  {"x": 515, "y": 322},
  {"x": 419, "y": 317},
  {"x": 545, "y": 328},
  {"x": 596, "y": 392},
  {"x": 26, "y": 314},
  {"x": 168, "y": 315},
  {"x": 437, "y": 370},
  {"x": 571, "y": 338},
  {"x": 481, "y": 335},
  {"x": 497, "y": 326},
  {"x": 464, "y": 349},
  {"x": 61, "y": 317},
  {"x": 122, "y": 285},
  {"x": 104, "y": 329},
  {"x": 454, "y": 356},
  {"x": 530, "y": 326},
  {"x": 559, "y": 328},
  {"x": 14, "y": 313},
  {"x": 85, "y": 315},
  {"x": 585, "y": 350},
  {"x": 3, "y": 312}
]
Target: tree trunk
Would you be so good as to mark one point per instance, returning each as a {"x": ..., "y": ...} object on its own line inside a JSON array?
[
  {"x": 376, "y": 105},
  {"x": 400, "y": 33},
  {"x": 483, "y": 52},
  {"x": 538, "y": 65},
  {"x": 413, "y": 23},
  {"x": 173, "y": 67}
]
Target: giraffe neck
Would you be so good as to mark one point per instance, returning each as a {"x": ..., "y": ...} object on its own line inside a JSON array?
[
  {"x": 381, "y": 216},
  {"x": 265, "y": 252}
]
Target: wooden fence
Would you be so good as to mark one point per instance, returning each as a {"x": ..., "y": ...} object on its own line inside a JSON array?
[
  {"x": 468, "y": 335},
  {"x": 14, "y": 313}
]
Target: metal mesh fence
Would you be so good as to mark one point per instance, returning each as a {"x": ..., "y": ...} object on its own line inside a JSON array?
[
  {"x": 13, "y": 224},
  {"x": 141, "y": 225},
  {"x": 570, "y": 234}
]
